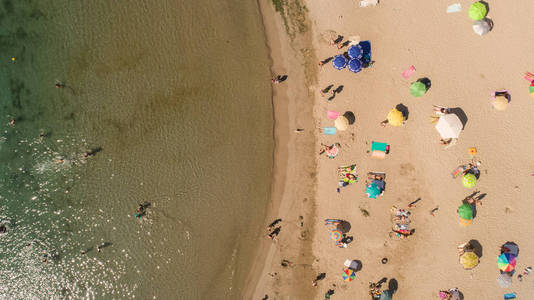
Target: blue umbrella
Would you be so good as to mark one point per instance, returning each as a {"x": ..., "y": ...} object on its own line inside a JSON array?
[
  {"x": 339, "y": 62},
  {"x": 355, "y": 51},
  {"x": 355, "y": 65}
]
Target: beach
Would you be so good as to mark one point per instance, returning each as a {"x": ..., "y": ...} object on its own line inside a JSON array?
[{"x": 464, "y": 70}]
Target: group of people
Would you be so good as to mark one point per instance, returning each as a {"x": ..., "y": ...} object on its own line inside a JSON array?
[
  {"x": 401, "y": 223},
  {"x": 273, "y": 230}
]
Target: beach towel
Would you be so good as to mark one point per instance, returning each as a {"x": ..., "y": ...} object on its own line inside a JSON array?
[
  {"x": 333, "y": 114},
  {"x": 408, "y": 72},
  {"x": 365, "y": 3},
  {"x": 509, "y": 296},
  {"x": 456, "y": 7},
  {"x": 379, "y": 150},
  {"x": 329, "y": 130},
  {"x": 458, "y": 171}
]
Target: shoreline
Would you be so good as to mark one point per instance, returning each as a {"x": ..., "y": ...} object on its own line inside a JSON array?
[{"x": 293, "y": 158}]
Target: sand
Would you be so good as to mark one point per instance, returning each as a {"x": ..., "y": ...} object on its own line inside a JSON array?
[{"x": 464, "y": 69}]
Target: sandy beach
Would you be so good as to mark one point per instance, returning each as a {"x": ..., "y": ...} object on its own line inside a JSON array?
[{"x": 464, "y": 70}]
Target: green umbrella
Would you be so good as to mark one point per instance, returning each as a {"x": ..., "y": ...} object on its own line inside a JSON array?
[
  {"x": 477, "y": 11},
  {"x": 465, "y": 211},
  {"x": 469, "y": 180},
  {"x": 417, "y": 89}
]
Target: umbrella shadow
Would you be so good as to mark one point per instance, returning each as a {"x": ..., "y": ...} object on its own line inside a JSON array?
[
  {"x": 486, "y": 5},
  {"x": 491, "y": 24},
  {"x": 403, "y": 109},
  {"x": 510, "y": 244},
  {"x": 350, "y": 117},
  {"x": 393, "y": 285},
  {"x": 477, "y": 247},
  {"x": 344, "y": 226},
  {"x": 426, "y": 81},
  {"x": 461, "y": 115},
  {"x": 360, "y": 265},
  {"x": 338, "y": 39}
]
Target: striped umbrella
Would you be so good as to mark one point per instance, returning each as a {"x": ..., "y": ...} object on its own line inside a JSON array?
[
  {"x": 336, "y": 235},
  {"x": 348, "y": 274},
  {"x": 506, "y": 262},
  {"x": 469, "y": 180},
  {"x": 531, "y": 89}
]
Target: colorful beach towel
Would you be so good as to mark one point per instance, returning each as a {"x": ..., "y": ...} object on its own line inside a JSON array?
[
  {"x": 329, "y": 130},
  {"x": 333, "y": 114},
  {"x": 408, "y": 72}
]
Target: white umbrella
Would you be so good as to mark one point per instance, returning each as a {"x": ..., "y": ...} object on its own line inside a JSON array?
[
  {"x": 449, "y": 126},
  {"x": 481, "y": 27}
]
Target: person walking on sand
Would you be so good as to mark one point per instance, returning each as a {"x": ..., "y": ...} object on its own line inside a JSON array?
[
  {"x": 274, "y": 233},
  {"x": 321, "y": 276},
  {"x": 273, "y": 224}
]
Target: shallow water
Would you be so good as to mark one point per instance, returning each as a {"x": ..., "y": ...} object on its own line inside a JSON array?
[{"x": 177, "y": 97}]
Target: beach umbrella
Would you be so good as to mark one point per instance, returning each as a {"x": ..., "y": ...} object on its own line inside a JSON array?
[
  {"x": 341, "y": 123},
  {"x": 500, "y": 103},
  {"x": 348, "y": 274},
  {"x": 417, "y": 89},
  {"x": 465, "y": 211},
  {"x": 395, "y": 117},
  {"x": 339, "y": 62},
  {"x": 531, "y": 89},
  {"x": 469, "y": 260},
  {"x": 355, "y": 65},
  {"x": 372, "y": 190},
  {"x": 477, "y": 11},
  {"x": 469, "y": 180},
  {"x": 506, "y": 262},
  {"x": 355, "y": 51},
  {"x": 449, "y": 126},
  {"x": 481, "y": 27},
  {"x": 504, "y": 280},
  {"x": 336, "y": 235}
]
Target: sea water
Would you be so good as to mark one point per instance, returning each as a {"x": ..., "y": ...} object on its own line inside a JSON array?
[{"x": 173, "y": 99}]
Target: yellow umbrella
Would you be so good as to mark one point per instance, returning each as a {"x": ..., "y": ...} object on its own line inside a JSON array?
[
  {"x": 395, "y": 117},
  {"x": 500, "y": 103},
  {"x": 342, "y": 123},
  {"x": 469, "y": 260}
]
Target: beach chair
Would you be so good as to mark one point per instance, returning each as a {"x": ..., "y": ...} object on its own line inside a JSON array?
[{"x": 379, "y": 150}]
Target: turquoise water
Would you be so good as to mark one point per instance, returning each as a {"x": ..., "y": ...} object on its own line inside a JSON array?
[{"x": 177, "y": 97}]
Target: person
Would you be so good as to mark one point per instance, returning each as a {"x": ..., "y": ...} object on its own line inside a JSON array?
[
  {"x": 273, "y": 224},
  {"x": 286, "y": 263},
  {"x": 329, "y": 294},
  {"x": 274, "y": 233},
  {"x": 59, "y": 85},
  {"x": 384, "y": 123},
  {"x": 321, "y": 276},
  {"x": 11, "y": 122},
  {"x": 141, "y": 211},
  {"x": 442, "y": 110},
  {"x": 343, "y": 243},
  {"x": 445, "y": 141}
]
